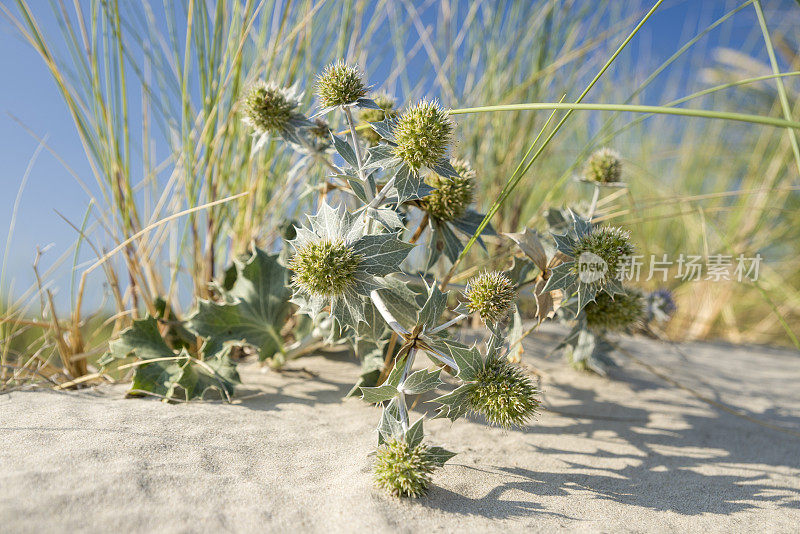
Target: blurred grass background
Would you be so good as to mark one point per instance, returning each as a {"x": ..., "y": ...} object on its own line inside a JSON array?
[{"x": 152, "y": 90}]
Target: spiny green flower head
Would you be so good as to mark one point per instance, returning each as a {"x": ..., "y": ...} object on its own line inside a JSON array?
[
  {"x": 422, "y": 134},
  {"x": 325, "y": 268},
  {"x": 387, "y": 111},
  {"x": 616, "y": 314},
  {"x": 503, "y": 394},
  {"x": 269, "y": 108},
  {"x": 491, "y": 294},
  {"x": 604, "y": 166},
  {"x": 401, "y": 470},
  {"x": 340, "y": 85},
  {"x": 336, "y": 264},
  {"x": 451, "y": 196},
  {"x": 610, "y": 243}
]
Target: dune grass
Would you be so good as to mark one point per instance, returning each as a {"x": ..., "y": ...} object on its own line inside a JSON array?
[{"x": 176, "y": 191}]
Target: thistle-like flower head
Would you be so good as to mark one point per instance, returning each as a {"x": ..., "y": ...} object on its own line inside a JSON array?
[
  {"x": 387, "y": 111},
  {"x": 401, "y": 470},
  {"x": 604, "y": 166},
  {"x": 269, "y": 108},
  {"x": 491, "y": 294},
  {"x": 422, "y": 134},
  {"x": 340, "y": 85},
  {"x": 623, "y": 311},
  {"x": 324, "y": 268},
  {"x": 609, "y": 243},
  {"x": 503, "y": 394},
  {"x": 337, "y": 264},
  {"x": 451, "y": 196}
]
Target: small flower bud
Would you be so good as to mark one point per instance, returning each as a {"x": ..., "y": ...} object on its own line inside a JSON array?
[
  {"x": 491, "y": 294},
  {"x": 323, "y": 268},
  {"x": 339, "y": 85},
  {"x": 624, "y": 311},
  {"x": 387, "y": 111},
  {"x": 401, "y": 470},
  {"x": 269, "y": 107},
  {"x": 451, "y": 196},
  {"x": 604, "y": 166},
  {"x": 504, "y": 395},
  {"x": 422, "y": 134}
]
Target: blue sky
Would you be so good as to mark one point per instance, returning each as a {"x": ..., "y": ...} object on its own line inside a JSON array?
[{"x": 28, "y": 93}]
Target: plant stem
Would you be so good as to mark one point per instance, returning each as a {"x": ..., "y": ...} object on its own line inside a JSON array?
[
  {"x": 593, "y": 206},
  {"x": 356, "y": 148},
  {"x": 460, "y": 317}
]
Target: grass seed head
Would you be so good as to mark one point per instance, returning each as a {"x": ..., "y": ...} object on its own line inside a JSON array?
[
  {"x": 401, "y": 470},
  {"x": 423, "y": 134},
  {"x": 340, "y": 84},
  {"x": 604, "y": 166},
  {"x": 491, "y": 294},
  {"x": 504, "y": 395},
  {"x": 324, "y": 268}
]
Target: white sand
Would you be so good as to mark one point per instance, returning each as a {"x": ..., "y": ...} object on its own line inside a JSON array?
[{"x": 624, "y": 454}]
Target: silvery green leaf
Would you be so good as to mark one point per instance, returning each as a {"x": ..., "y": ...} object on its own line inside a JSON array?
[
  {"x": 444, "y": 169},
  {"x": 614, "y": 287},
  {"x": 390, "y": 425},
  {"x": 388, "y": 218},
  {"x": 558, "y": 220},
  {"x": 345, "y": 150},
  {"x": 454, "y": 404},
  {"x": 161, "y": 378},
  {"x": 142, "y": 340},
  {"x": 581, "y": 226},
  {"x": 258, "y": 310},
  {"x": 385, "y": 128},
  {"x": 561, "y": 277},
  {"x": 530, "y": 243},
  {"x": 468, "y": 359},
  {"x": 422, "y": 381},
  {"x": 367, "y": 103},
  {"x": 434, "y": 307},
  {"x": 407, "y": 183},
  {"x": 358, "y": 189},
  {"x": 382, "y": 253},
  {"x": 374, "y": 395},
  {"x": 348, "y": 309},
  {"x": 415, "y": 434},
  {"x": 586, "y": 294},
  {"x": 447, "y": 241},
  {"x": 564, "y": 243},
  {"x": 223, "y": 376},
  {"x": 470, "y": 221},
  {"x": 401, "y": 301},
  {"x": 438, "y": 455},
  {"x": 324, "y": 111}
]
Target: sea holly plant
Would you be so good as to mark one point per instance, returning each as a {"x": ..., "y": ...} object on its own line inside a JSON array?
[{"x": 346, "y": 263}]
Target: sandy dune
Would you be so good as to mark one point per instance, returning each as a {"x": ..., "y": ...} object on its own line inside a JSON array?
[{"x": 629, "y": 453}]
